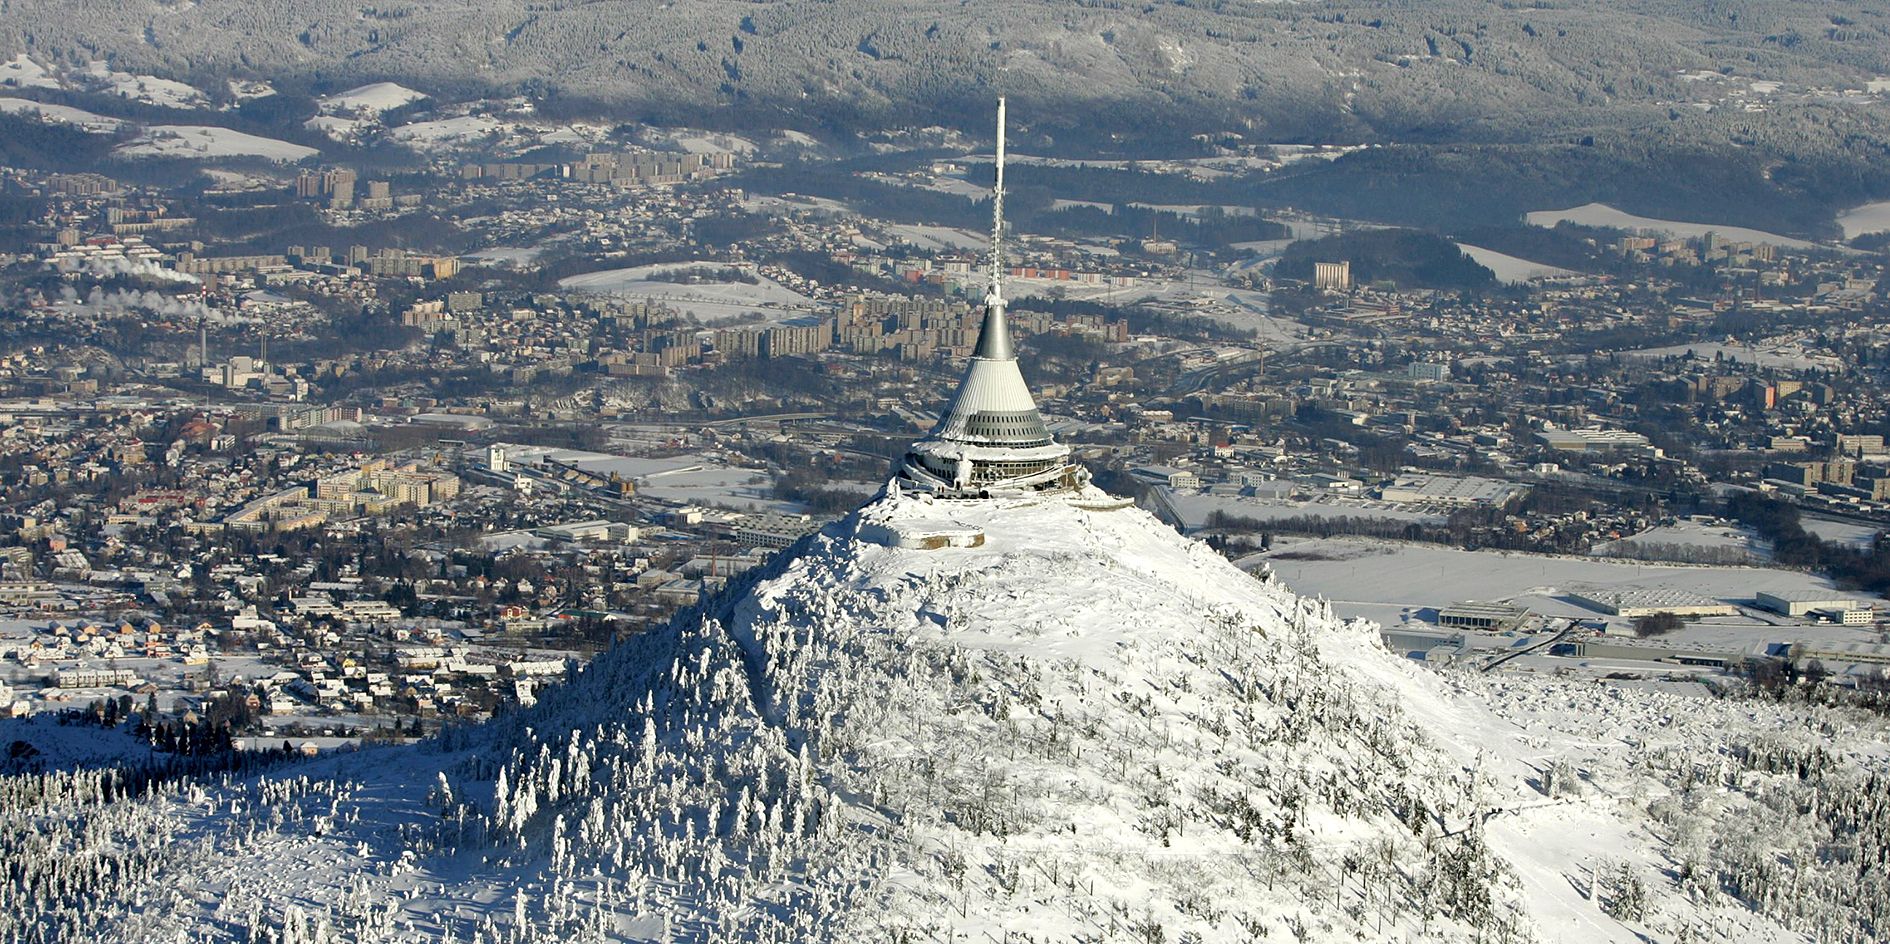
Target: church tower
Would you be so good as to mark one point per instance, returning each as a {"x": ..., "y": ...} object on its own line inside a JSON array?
[{"x": 991, "y": 439}]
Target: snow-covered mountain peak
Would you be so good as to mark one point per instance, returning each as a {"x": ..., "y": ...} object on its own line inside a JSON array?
[
  {"x": 1053, "y": 716},
  {"x": 1050, "y": 577},
  {"x": 1043, "y": 719}
]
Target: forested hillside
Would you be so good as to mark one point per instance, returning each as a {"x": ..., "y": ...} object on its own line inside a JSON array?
[
  {"x": 1458, "y": 70},
  {"x": 1404, "y": 258}
]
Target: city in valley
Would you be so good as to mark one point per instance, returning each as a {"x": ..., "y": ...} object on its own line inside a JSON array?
[{"x": 425, "y": 423}]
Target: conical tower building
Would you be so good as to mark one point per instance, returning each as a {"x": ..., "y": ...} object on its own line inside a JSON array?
[{"x": 991, "y": 439}]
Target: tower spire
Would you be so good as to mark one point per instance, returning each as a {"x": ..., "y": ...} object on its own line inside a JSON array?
[
  {"x": 997, "y": 216},
  {"x": 994, "y": 336}
]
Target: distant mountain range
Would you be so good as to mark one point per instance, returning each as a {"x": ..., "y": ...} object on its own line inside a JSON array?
[
  {"x": 1769, "y": 115},
  {"x": 1452, "y": 70}
]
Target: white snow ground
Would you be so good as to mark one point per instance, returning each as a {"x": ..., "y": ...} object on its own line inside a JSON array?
[
  {"x": 707, "y": 301},
  {"x": 87, "y": 121},
  {"x": 1600, "y": 214},
  {"x": 1512, "y": 269},
  {"x": 1788, "y": 353},
  {"x": 373, "y": 98},
  {"x": 1369, "y": 571},
  {"x": 22, "y": 72},
  {"x": 695, "y": 141},
  {"x": 937, "y": 238},
  {"x": 1087, "y": 728},
  {"x": 1869, "y": 218},
  {"x": 449, "y": 132},
  {"x": 151, "y": 90},
  {"x": 206, "y": 141}
]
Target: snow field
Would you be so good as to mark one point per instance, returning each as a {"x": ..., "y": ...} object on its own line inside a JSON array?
[
  {"x": 373, "y": 98},
  {"x": 23, "y": 72},
  {"x": 1512, "y": 269},
  {"x": 206, "y": 141},
  {"x": 1868, "y": 218},
  {"x": 1600, "y": 214},
  {"x": 87, "y": 121}
]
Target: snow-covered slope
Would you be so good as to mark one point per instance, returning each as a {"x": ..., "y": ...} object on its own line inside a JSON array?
[
  {"x": 1065, "y": 723},
  {"x": 374, "y": 98},
  {"x": 207, "y": 141}
]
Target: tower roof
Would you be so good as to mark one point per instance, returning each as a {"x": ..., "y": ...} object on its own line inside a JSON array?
[
  {"x": 994, "y": 338},
  {"x": 993, "y": 405}
]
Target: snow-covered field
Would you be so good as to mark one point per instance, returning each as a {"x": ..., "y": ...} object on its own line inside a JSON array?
[
  {"x": 576, "y": 133},
  {"x": 1684, "y": 535},
  {"x": 151, "y": 90},
  {"x": 718, "y": 487},
  {"x": 449, "y": 132},
  {"x": 695, "y": 480},
  {"x": 957, "y": 186},
  {"x": 1788, "y": 353},
  {"x": 707, "y": 301},
  {"x": 1869, "y": 218},
  {"x": 85, "y": 120},
  {"x": 1600, "y": 214},
  {"x": 696, "y": 141},
  {"x": 246, "y": 89},
  {"x": 1851, "y": 533},
  {"x": 1085, "y": 728},
  {"x": 1433, "y": 575},
  {"x": 1510, "y": 269},
  {"x": 205, "y": 141},
  {"x": 509, "y": 256},
  {"x": 1195, "y": 507},
  {"x": 1246, "y": 309},
  {"x": 339, "y": 128},
  {"x": 1242, "y": 308},
  {"x": 1294, "y": 153},
  {"x": 937, "y": 238},
  {"x": 795, "y": 203},
  {"x": 22, "y": 72},
  {"x": 373, "y": 98}
]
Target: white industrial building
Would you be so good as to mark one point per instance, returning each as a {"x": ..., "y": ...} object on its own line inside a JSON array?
[
  {"x": 1636, "y": 602},
  {"x": 1167, "y": 475},
  {"x": 1450, "y": 490},
  {"x": 1473, "y": 614},
  {"x": 1595, "y": 439},
  {"x": 1807, "y": 602},
  {"x": 595, "y": 530}
]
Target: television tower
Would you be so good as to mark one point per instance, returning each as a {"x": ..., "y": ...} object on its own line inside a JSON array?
[{"x": 991, "y": 439}]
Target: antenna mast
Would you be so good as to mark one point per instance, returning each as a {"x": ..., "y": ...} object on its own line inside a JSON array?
[{"x": 997, "y": 214}]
